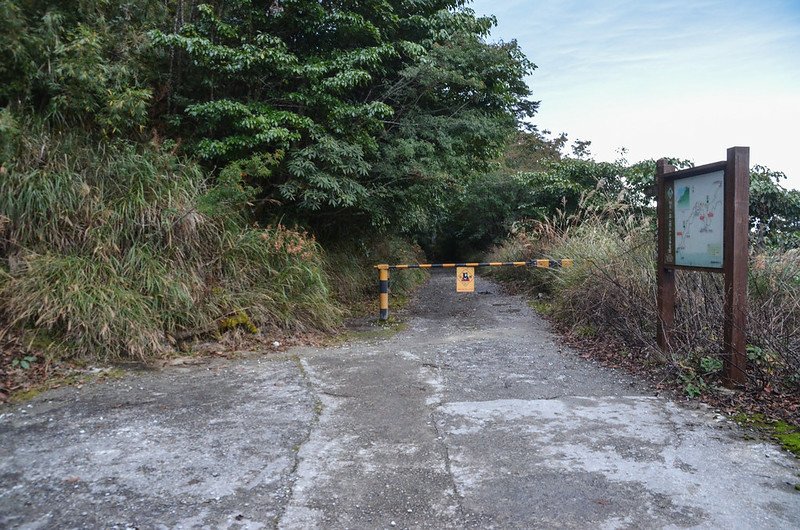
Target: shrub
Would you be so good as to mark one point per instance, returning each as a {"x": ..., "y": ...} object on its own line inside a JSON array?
[
  {"x": 612, "y": 288},
  {"x": 88, "y": 303},
  {"x": 116, "y": 249},
  {"x": 350, "y": 267}
]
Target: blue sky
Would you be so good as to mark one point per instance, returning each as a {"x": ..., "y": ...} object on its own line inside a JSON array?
[{"x": 667, "y": 78}]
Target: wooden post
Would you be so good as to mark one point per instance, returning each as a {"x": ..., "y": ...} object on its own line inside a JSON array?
[
  {"x": 665, "y": 276},
  {"x": 736, "y": 255}
]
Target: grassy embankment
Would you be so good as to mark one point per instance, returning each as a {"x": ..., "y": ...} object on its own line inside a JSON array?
[{"x": 116, "y": 251}]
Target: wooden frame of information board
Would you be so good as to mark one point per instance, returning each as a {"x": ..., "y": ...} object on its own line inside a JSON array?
[{"x": 734, "y": 252}]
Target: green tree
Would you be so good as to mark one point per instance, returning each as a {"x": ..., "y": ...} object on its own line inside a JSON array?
[
  {"x": 79, "y": 62},
  {"x": 374, "y": 109},
  {"x": 774, "y": 210}
]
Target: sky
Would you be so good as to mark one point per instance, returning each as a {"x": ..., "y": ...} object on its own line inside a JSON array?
[{"x": 664, "y": 78}]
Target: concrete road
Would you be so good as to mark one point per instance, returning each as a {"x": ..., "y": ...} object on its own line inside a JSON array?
[{"x": 475, "y": 416}]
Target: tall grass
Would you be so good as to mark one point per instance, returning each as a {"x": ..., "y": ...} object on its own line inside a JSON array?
[
  {"x": 116, "y": 250},
  {"x": 354, "y": 280},
  {"x": 611, "y": 292}
]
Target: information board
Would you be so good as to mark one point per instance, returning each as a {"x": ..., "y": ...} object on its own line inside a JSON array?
[
  {"x": 695, "y": 220},
  {"x": 703, "y": 226}
]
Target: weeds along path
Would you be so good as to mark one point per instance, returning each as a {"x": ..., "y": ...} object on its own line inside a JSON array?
[{"x": 474, "y": 416}]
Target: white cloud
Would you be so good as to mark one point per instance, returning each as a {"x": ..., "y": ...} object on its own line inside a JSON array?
[{"x": 680, "y": 78}]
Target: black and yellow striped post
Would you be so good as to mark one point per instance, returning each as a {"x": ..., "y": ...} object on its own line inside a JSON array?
[
  {"x": 383, "y": 285},
  {"x": 384, "y": 268}
]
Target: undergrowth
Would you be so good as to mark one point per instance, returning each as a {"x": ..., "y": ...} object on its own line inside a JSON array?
[
  {"x": 118, "y": 251},
  {"x": 354, "y": 280},
  {"x": 612, "y": 289}
]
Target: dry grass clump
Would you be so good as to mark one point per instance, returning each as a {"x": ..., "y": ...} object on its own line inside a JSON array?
[
  {"x": 116, "y": 251},
  {"x": 353, "y": 279},
  {"x": 774, "y": 326}
]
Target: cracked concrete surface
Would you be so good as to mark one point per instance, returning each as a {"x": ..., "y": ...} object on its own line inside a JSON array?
[
  {"x": 475, "y": 416},
  {"x": 210, "y": 445}
]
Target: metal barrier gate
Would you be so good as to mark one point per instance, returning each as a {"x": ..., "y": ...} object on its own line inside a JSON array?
[{"x": 384, "y": 268}]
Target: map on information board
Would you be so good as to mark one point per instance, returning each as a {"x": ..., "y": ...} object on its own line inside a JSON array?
[{"x": 697, "y": 219}]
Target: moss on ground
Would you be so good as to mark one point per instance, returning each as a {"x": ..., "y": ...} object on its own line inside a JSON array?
[
  {"x": 543, "y": 307},
  {"x": 66, "y": 380},
  {"x": 787, "y": 434},
  {"x": 239, "y": 320},
  {"x": 380, "y": 331}
]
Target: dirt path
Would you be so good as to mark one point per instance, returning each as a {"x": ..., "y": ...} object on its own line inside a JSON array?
[{"x": 474, "y": 416}]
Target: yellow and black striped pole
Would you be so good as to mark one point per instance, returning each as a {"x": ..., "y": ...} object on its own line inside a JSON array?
[
  {"x": 383, "y": 285},
  {"x": 383, "y": 272}
]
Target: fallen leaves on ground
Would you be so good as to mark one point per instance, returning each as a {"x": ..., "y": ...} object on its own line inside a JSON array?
[
  {"x": 772, "y": 403},
  {"x": 44, "y": 373},
  {"x": 16, "y": 377}
]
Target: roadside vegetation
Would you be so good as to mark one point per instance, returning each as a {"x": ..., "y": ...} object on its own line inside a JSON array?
[
  {"x": 120, "y": 251},
  {"x": 607, "y": 300},
  {"x": 174, "y": 171}
]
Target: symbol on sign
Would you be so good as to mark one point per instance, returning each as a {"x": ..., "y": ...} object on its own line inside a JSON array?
[{"x": 465, "y": 279}]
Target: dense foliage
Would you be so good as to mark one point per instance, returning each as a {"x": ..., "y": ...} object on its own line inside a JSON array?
[
  {"x": 373, "y": 109},
  {"x": 166, "y": 168},
  {"x": 535, "y": 181},
  {"x": 114, "y": 251},
  {"x": 774, "y": 210}
]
